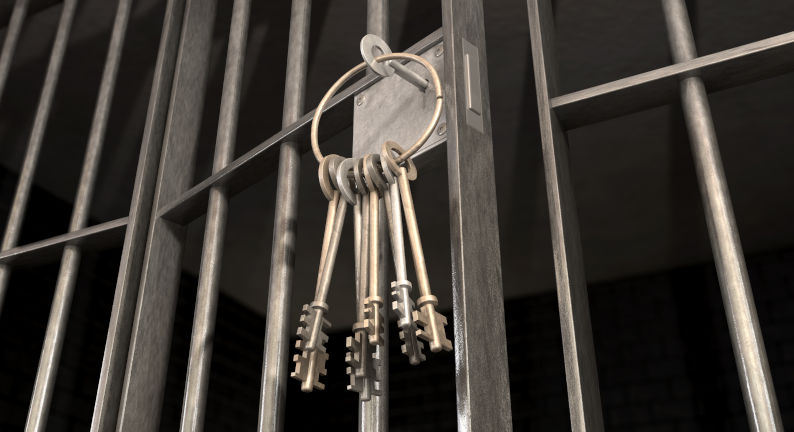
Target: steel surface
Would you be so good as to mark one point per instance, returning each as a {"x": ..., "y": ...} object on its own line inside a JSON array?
[
  {"x": 584, "y": 399},
  {"x": 763, "y": 413},
  {"x": 111, "y": 377},
  {"x": 483, "y": 389},
  {"x": 144, "y": 379},
  {"x": 28, "y": 170},
  {"x": 70, "y": 263},
  {"x": 276, "y": 356}
]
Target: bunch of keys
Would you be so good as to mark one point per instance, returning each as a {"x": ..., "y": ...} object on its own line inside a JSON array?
[
  {"x": 364, "y": 183},
  {"x": 369, "y": 183}
]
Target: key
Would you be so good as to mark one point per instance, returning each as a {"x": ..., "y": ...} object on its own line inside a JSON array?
[
  {"x": 361, "y": 358},
  {"x": 402, "y": 303},
  {"x": 432, "y": 322},
  {"x": 374, "y": 303},
  {"x": 310, "y": 363}
]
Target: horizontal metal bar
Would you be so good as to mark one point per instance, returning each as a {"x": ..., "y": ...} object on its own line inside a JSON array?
[
  {"x": 721, "y": 70},
  {"x": 260, "y": 161},
  {"x": 99, "y": 236}
]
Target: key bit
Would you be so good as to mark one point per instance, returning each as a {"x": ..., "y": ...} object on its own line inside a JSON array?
[
  {"x": 310, "y": 363},
  {"x": 403, "y": 306},
  {"x": 432, "y": 323},
  {"x": 309, "y": 366},
  {"x": 373, "y": 319},
  {"x": 363, "y": 364}
]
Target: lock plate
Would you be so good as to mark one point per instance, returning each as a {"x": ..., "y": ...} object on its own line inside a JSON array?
[{"x": 392, "y": 109}]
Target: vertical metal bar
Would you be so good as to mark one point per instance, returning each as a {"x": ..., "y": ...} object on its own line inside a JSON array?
[
  {"x": 758, "y": 389},
  {"x": 276, "y": 361},
  {"x": 584, "y": 399},
  {"x": 111, "y": 377},
  {"x": 483, "y": 388},
  {"x": 212, "y": 252},
  {"x": 378, "y": 18},
  {"x": 373, "y": 415},
  {"x": 145, "y": 376},
  {"x": 10, "y": 43},
  {"x": 28, "y": 171},
  {"x": 70, "y": 262}
]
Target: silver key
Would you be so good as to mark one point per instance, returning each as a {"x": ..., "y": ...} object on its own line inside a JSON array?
[
  {"x": 402, "y": 303},
  {"x": 312, "y": 336},
  {"x": 374, "y": 303},
  {"x": 432, "y": 322},
  {"x": 361, "y": 357}
]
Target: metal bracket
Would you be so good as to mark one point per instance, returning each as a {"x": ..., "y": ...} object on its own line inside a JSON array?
[{"x": 392, "y": 110}]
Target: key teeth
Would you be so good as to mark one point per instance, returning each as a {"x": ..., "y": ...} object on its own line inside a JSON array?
[
  {"x": 411, "y": 347},
  {"x": 423, "y": 318},
  {"x": 362, "y": 368},
  {"x": 303, "y": 366},
  {"x": 308, "y": 358},
  {"x": 373, "y": 319}
]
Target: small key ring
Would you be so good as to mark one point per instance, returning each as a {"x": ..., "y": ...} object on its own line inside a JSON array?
[{"x": 318, "y": 112}]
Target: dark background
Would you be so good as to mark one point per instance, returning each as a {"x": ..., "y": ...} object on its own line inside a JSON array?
[{"x": 664, "y": 357}]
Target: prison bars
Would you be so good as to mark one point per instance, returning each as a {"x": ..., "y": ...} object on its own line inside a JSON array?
[
  {"x": 70, "y": 262},
  {"x": 758, "y": 390},
  {"x": 205, "y": 312},
  {"x": 144, "y": 380},
  {"x": 10, "y": 42},
  {"x": 114, "y": 360},
  {"x": 275, "y": 366},
  {"x": 28, "y": 171},
  {"x": 756, "y": 60},
  {"x": 141, "y": 396}
]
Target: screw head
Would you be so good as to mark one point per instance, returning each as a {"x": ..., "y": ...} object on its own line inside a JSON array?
[
  {"x": 439, "y": 50},
  {"x": 360, "y": 99},
  {"x": 442, "y": 129}
]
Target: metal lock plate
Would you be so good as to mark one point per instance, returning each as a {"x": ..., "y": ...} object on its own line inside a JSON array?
[{"x": 395, "y": 110}]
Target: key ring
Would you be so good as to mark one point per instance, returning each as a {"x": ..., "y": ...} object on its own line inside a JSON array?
[{"x": 404, "y": 155}]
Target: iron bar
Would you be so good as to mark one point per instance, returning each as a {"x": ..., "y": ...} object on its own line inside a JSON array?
[
  {"x": 373, "y": 415},
  {"x": 111, "y": 377},
  {"x": 584, "y": 399},
  {"x": 70, "y": 263},
  {"x": 276, "y": 353},
  {"x": 483, "y": 389},
  {"x": 201, "y": 342},
  {"x": 758, "y": 390},
  {"x": 721, "y": 70},
  {"x": 96, "y": 236},
  {"x": 10, "y": 43},
  {"x": 145, "y": 376},
  {"x": 28, "y": 171},
  {"x": 257, "y": 163}
]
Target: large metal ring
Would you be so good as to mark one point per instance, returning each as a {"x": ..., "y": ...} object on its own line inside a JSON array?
[{"x": 318, "y": 112}]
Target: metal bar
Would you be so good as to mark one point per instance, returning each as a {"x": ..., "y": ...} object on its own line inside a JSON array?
[
  {"x": 10, "y": 43},
  {"x": 93, "y": 237},
  {"x": 201, "y": 341},
  {"x": 275, "y": 364},
  {"x": 584, "y": 400},
  {"x": 144, "y": 379},
  {"x": 758, "y": 390},
  {"x": 28, "y": 171},
  {"x": 721, "y": 70},
  {"x": 259, "y": 161},
  {"x": 483, "y": 387},
  {"x": 111, "y": 377},
  {"x": 70, "y": 263},
  {"x": 373, "y": 415}
]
